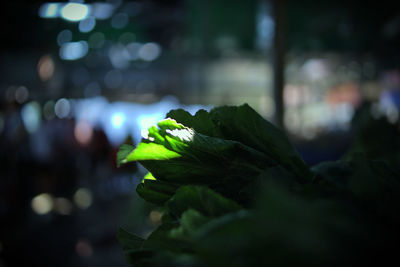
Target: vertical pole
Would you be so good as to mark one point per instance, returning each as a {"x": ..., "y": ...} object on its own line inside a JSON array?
[{"x": 279, "y": 11}]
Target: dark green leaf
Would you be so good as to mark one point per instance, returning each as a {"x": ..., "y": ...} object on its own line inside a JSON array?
[
  {"x": 123, "y": 152},
  {"x": 202, "y": 199},
  {"x": 132, "y": 247},
  {"x": 246, "y": 126},
  {"x": 190, "y": 222},
  {"x": 333, "y": 173},
  {"x": 129, "y": 241},
  {"x": 160, "y": 240},
  {"x": 156, "y": 192}
]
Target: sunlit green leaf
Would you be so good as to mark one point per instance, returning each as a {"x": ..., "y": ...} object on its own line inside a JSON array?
[
  {"x": 246, "y": 126},
  {"x": 149, "y": 176},
  {"x": 201, "y": 122},
  {"x": 169, "y": 124},
  {"x": 150, "y": 151}
]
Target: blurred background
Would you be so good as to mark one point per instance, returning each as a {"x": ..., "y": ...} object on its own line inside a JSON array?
[{"x": 79, "y": 78}]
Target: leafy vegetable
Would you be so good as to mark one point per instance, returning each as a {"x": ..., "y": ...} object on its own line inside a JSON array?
[
  {"x": 245, "y": 125},
  {"x": 234, "y": 192},
  {"x": 207, "y": 152}
]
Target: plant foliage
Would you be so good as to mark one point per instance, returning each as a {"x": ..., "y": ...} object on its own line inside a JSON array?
[{"x": 235, "y": 192}]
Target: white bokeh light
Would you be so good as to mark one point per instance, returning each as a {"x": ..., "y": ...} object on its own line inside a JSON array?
[{"x": 75, "y": 12}]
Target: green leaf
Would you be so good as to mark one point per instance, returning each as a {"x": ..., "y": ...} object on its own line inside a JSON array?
[
  {"x": 129, "y": 241},
  {"x": 123, "y": 152},
  {"x": 176, "y": 154},
  {"x": 201, "y": 122},
  {"x": 283, "y": 230},
  {"x": 152, "y": 195},
  {"x": 334, "y": 174},
  {"x": 132, "y": 247},
  {"x": 226, "y": 240},
  {"x": 245, "y": 125},
  {"x": 202, "y": 199},
  {"x": 142, "y": 252},
  {"x": 149, "y": 176},
  {"x": 201, "y": 167},
  {"x": 202, "y": 159},
  {"x": 190, "y": 222},
  {"x": 169, "y": 124},
  {"x": 215, "y": 225},
  {"x": 182, "y": 171},
  {"x": 156, "y": 192},
  {"x": 150, "y": 151},
  {"x": 160, "y": 240}
]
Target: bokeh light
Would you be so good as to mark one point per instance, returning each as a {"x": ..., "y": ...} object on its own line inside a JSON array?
[
  {"x": 155, "y": 217},
  {"x": 149, "y": 51},
  {"x": 62, "y": 108},
  {"x": 45, "y": 67},
  {"x": 74, "y": 11},
  {"x": 83, "y": 132},
  {"x": 74, "y": 50},
  {"x": 119, "y": 56},
  {"x": 102, "y": 11},
  {"x": 87, "y": 24},
  {"x": 64, "y": 36},
  {"x": 31, "y": 116},
  {"x": 118, "y": 119},
  {"x": 42, "y": 204},
  {"x": 83, "y": 248},
  {"x": 83, "y": 198},
  {"x": 49, "y": 10},
  {"x": 21, "y": 94},
  {"x": 133, "y": 50}
]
